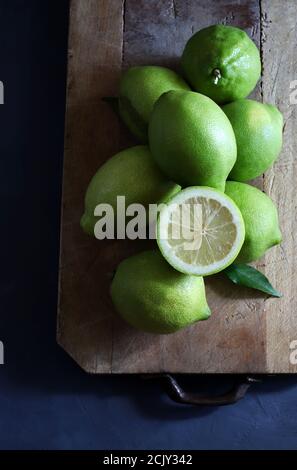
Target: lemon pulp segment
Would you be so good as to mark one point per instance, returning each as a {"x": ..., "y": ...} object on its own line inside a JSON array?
[{"x": 200, "y": 231}]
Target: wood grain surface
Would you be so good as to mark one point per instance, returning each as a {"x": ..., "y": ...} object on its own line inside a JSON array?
[
  {"x": 279, "y": 41},
  {"x": 247, "y": 332}
]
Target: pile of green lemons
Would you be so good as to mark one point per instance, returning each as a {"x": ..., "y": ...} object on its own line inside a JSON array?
[{"x": 200, "y": 140}]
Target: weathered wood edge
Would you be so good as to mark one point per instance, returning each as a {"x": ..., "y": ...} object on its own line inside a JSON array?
[
  {"x": 59, "y": 315},
  {"x": 73, "y": 7}
]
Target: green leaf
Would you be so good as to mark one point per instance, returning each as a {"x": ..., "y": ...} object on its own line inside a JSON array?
[
  {"x": 248, "y": 276},
  {"x": 113, "y": 102}
]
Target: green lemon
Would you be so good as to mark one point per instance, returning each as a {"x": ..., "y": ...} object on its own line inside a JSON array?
[
  {"x": 260, "y": 219},
  {"x": 258, "y": 130},
  {"x": 222, "y": 62},
  {"x": 140, "y": 87},
  {"x": 131, "y": 173},
  {"x": 191, "y": 139},
  {"x": 150, "y": 295}
]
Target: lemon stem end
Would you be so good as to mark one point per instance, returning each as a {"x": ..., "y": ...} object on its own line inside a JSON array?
[{"x": 216, "y": 73}]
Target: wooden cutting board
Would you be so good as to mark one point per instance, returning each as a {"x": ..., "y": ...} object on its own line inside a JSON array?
[{"x": 247, "y": 332}]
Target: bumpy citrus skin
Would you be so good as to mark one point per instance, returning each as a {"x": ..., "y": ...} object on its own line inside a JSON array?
[
  {"x": 258, "y": 130},
  {"x": 140, "y": 87},
  {"x": 151, "y": 296},
  {"x": 260, "y": 219},
  {"x": 131, "y": 173},
  {"x": 222, "y": 62},
  {"x": 192, "y": 140}
]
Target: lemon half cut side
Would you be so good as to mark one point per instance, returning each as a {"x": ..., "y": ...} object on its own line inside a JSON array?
[{"x": 200, "y": 231}]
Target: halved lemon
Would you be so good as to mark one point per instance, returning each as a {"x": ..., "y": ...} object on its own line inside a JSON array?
[{"x": 200, "y": 231}]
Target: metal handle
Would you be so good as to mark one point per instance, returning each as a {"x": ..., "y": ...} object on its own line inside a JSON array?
[{"x": 177, "y": 394}]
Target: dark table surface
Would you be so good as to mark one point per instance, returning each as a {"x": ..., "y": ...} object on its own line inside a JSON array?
[{"x": 46, "y": 401}]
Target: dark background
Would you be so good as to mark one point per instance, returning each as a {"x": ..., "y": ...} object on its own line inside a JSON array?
[{"x": 46, "y": 401}]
